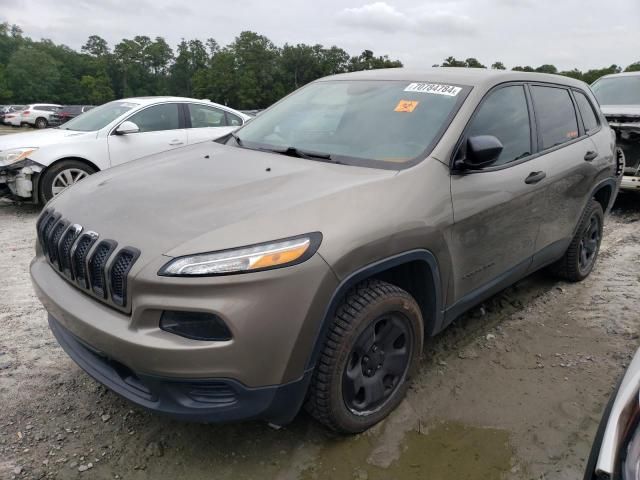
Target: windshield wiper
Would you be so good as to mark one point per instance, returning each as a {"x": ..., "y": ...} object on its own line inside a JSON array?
[{"x": 306, "y": 154}]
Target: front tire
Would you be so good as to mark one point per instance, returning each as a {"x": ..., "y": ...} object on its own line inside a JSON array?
[
  {"x": 580, "y": 258},
  {"x": 62, "y": 175},
  {"x": 372, "y": 350}
]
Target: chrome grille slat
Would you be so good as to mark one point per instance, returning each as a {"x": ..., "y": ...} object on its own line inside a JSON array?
[{"x": 93, "y": 265}]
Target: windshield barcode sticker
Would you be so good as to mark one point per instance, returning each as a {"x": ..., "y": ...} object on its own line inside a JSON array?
[{"x": 434, "y": 88}]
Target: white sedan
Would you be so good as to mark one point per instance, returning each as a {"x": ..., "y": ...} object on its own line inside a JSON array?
[{"x": 39, "y": 165}]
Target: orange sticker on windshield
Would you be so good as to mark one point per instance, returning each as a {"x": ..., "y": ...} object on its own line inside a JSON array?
[{"x": 406, "y": 106}]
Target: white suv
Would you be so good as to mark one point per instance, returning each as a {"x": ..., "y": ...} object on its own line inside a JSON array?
[
  {"x": 39, "y": 165},
  {"x": 38, "y": 114}
]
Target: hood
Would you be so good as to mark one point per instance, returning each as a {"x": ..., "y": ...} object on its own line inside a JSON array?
[
  {"x": 620, "y": 110},
  {"x": 208, "y": 197},
  {"x": 40, "y": 138}
]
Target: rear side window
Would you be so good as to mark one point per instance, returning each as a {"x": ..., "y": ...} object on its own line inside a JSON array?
[
  {"x": 504, "y": 114},
  {"x": 159, "y": 117},
  {"x": 234, "y": 120},
  {"x": 555, "y": 115},
  {"x": 203, "y": 116},
  {"x": 589, "y": 117}
]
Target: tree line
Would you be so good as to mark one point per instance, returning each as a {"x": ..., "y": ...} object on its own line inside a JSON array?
[{"x": 250, "y": 72}]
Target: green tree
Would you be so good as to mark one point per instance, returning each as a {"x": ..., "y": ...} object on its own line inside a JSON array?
[
  {"x": 591, "y": 76},
  {"x": 96, "y": 90},
  {"x": 546, "y": 68},
  {"x": 452, "y": 62},
  {"x": 32, "y": 74},
  {"x": 523, "y": 69},
  {"x": 368, "y": 61},
  {"x": 473, "y": 63},
  {"x": 634, "y": 67},
  {"x": 498, "y": 66},
  {"x": 96, "y": 46}
]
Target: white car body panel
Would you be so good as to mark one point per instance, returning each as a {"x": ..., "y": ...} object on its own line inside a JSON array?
[
  {"x": 124, "y": 148},
  {"x": 30, "y": 114},
  {"x": 104, "y": 148}
]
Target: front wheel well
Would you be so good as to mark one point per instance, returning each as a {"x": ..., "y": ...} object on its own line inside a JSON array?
[
  {"x": 38, "y": 189},
  {"x": 416, "y": 278}
]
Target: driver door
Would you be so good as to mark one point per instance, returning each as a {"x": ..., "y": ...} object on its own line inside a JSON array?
[
  {"x": 497, "y": 210},
  {"x": 160, "y": 129}
]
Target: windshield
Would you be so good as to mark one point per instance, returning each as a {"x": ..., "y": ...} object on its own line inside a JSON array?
[
  {"x": 98, "y": 117},
  {"x": 370, "y": 123},
  {"x": 618, "y": 90}
]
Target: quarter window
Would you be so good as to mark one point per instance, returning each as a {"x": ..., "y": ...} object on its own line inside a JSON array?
[
  {"x": 586, "y": 110},
  {"x": 234, "y": 120},
  {"x": 158, "y": 117},
  {"x": 504, "y": 114},
  {"x": 203, "y": 116},
  {"x": 555, "y": 115}
]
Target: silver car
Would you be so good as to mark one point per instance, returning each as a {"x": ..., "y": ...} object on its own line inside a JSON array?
[{"x": 616, "y": 450}]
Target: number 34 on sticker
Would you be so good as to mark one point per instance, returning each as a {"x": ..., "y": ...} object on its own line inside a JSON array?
[{"x": 407, "y": 106}]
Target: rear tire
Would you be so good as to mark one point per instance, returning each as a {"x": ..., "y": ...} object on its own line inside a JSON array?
[
  {"x": 371, "y": 351},
  {"x": 41, "y": 123},
  {"x": 580, "y": 258},
  {"x": 61, "y": 175}
]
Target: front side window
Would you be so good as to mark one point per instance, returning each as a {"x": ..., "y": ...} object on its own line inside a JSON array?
[
  {"x": 623, "y": 90},
  {"x": 586, "y": 111},
  {"x": 98, "y": 117},
  {"x": 555, "y": 115},
  {"x": 203, "y": 116},
  {"x": 504, "y": 114},
  {"x": 371, "y": 123},
  {"x": 159, "y": 117}
]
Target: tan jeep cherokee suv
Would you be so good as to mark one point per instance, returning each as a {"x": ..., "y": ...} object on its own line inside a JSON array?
[{"x": 305, "y": 260}]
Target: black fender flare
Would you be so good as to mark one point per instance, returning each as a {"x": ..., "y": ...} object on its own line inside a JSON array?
[{"x": 432, "y": 325}]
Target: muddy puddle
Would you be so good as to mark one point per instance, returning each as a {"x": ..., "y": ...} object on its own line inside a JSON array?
[{"x": 445, "y": 451}]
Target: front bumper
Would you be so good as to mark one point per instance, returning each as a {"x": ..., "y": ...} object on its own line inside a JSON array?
[
  {"x": 630, "y": 183},
  {"x": 203, "y": 400},
  {"x": 273, "y": 316},
  {"x": 21, "y": 177}
]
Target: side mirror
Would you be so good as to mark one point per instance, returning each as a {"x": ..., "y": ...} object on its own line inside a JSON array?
[
  {"x": 482, "y": 151},
  {"x": 127, "y": 127}
]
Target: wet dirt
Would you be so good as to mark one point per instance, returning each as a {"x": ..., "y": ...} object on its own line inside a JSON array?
[{"x": 514, "y": 389}]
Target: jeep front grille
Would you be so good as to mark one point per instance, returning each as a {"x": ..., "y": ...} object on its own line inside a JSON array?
[{"x": 94, "y": 265}]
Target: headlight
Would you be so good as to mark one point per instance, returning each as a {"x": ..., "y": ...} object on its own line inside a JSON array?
[
  {"x": 14, "y": 155},
  {"x": 264, "y": 256}
]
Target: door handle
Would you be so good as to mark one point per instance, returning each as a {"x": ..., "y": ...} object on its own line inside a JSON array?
[
  {"x": 590, "y": 155},
  {"x": 176, "y": 142},
  {"x": 534, "y": 177}
]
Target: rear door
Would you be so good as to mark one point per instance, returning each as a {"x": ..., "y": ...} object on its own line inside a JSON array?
[
  {"x": 497, "y": 209},
  {"x": 571, "y": 163},
  {"x": 161, "y": 129},
  {"x": 207, "y": 122}
]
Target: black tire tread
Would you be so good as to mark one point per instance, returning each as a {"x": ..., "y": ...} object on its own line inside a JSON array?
[
  {"x": 356, "y": 300},
  {"x": 49, "y": 174},
  {"x": 567, "y": 267}
]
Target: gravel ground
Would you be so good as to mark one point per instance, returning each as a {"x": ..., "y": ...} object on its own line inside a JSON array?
[{"x": 514, "y": 389}]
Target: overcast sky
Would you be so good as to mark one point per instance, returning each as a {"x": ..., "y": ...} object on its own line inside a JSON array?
[{"x": 567, "y": 33}]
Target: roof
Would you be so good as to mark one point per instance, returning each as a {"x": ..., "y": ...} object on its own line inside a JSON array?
[
  {"x": 623, "y": 74},
  {"x": 461, "y": 76},
  {"x": 160, "y": 98}
]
